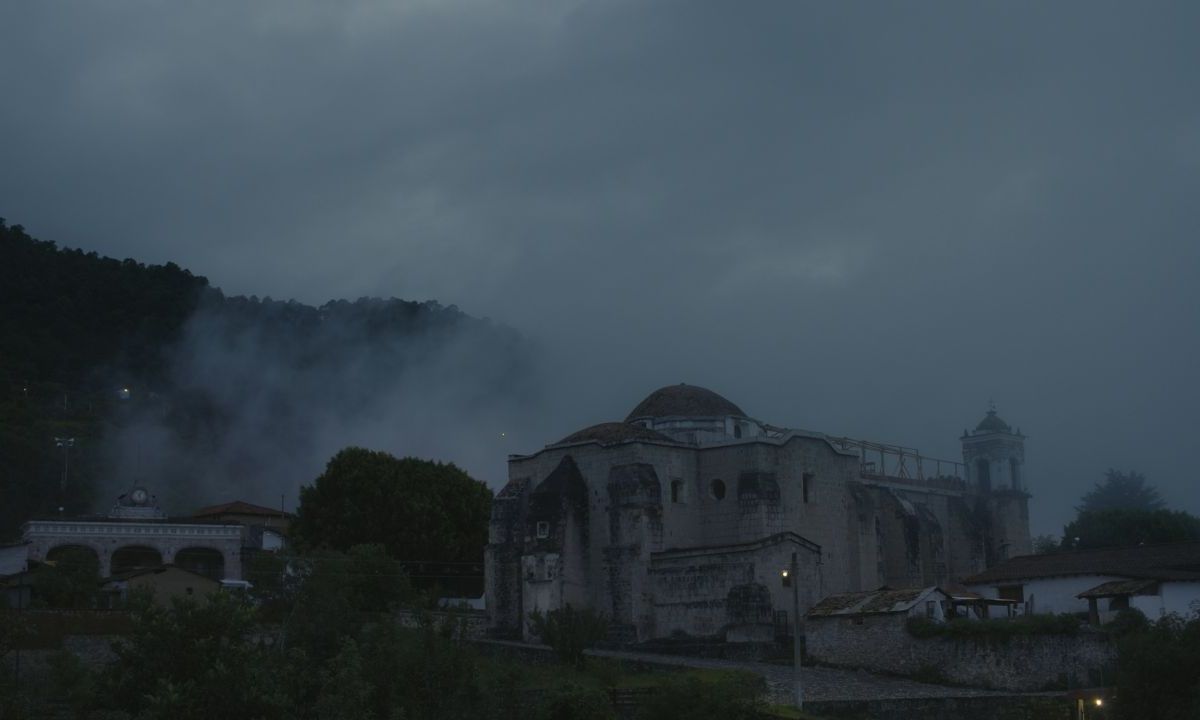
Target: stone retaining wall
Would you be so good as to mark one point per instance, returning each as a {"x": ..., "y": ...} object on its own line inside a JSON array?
[
  {"x": 468, "y": 625},
  {"x": 1021, "y": 663}
]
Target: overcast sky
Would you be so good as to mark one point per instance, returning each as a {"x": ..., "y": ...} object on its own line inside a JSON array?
[{"x": 859, "y": 218}]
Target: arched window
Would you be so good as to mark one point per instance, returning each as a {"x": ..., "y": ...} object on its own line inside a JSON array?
[
  {"x": 677, "y": 491},
  {"x": 1014, "y": 467},
  {"x": 717, "y": 489},
  {"x": 737, "y": 430}
]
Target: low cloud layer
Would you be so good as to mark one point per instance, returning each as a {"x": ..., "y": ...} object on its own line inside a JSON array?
[
  {"x": 859, "y": 219},
  {"x": 260, "y": 395}
]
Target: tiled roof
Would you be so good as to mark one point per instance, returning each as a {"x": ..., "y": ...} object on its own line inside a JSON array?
[
  {"x": 874, "y": 602},
  {"x": 1116, "y": 588},
  {"x": 237, "y": 507},
  {"x": 1169, "y": 561}
]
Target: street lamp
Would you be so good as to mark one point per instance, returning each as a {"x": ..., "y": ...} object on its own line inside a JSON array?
[
  {"x": 791, "y": 577},
  {"x": 66, "y": 443}
]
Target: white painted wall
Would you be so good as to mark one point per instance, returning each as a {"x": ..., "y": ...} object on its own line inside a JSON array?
[
  {"x": 1180, "y": 597},
  {"x": 1057, "y": 595},
  {"x": 13, "y": 559},
  {"x": 272, "y": 540},
  {"x": 1052, "y": 595}
]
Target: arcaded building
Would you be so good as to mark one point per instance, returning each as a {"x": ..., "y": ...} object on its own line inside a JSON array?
[{"x": 679, "y": 520}]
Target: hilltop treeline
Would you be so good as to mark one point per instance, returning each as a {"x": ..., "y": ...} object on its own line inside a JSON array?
[{"x": 149, "y": 368}]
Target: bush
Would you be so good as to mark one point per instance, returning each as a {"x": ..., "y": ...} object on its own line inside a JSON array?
[
  {"x": 573, "y": 702},
  {"x": 995, "y": 630},
  {"x": 1128, "y": 621},
  {"x": 1156, "y": 676},
  {"x": 569, "y": 631},
  {"x": 738, "y": 698}
]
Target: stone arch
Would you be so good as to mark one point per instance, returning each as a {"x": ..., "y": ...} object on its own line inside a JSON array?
[
  {"x": 205, "y": 561},
  {"x": 131, "y": 557},
  {"x": 60, "y": 552}
]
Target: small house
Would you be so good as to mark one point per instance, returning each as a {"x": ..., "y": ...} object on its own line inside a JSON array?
[
  {"x": 1156, "y": 579},
  {"x": 850, "y": 628}
]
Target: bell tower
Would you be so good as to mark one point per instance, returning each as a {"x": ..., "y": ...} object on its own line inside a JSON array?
[{"x": 994, "y": 456}]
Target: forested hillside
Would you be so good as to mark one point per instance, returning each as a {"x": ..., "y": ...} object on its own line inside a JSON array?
[{"x": 160, "y": 378}]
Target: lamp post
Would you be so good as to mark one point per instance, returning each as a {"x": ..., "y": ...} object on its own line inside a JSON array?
[
  {"x": 791, "y": 578},
  {"x": 66, "y": 443}
]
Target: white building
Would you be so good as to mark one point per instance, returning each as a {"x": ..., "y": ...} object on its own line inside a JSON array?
[{"x": 1156, "y": 579}]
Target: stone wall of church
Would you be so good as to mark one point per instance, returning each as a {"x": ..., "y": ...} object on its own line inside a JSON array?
[
  {"x": 645, "y": 498},
  {"x": 730, "y": 592}
]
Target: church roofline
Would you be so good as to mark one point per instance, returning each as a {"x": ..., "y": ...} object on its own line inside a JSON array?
[
  {"x": 787, "y": 436},
  {"x": 777, "y": 538}
]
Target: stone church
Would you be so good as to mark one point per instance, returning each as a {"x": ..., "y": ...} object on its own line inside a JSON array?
[{"x": 678, "y": 521}]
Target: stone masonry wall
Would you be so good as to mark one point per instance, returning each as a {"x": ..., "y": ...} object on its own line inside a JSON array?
[{"x": 1025, "y": 663}]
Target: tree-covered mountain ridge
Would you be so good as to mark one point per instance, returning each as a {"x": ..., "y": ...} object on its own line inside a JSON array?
[{"x": 153, "y": 371}]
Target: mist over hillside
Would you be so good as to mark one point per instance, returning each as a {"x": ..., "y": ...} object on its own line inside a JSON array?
[
  {"x": 158, "y": 378},
  {"x": 264, "y": 392}
]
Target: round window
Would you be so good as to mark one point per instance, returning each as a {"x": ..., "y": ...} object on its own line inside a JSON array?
[{"x": 717, "y": 488}]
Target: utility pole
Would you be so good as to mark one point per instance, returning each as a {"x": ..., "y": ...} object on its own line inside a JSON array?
[{"x": 791, "y": 576}]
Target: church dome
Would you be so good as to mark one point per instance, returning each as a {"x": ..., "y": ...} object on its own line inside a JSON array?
[
  {"x": 684, "y": 401},
  {"x": 610, "y": 433},
  {"x": 992, "y": 423}
]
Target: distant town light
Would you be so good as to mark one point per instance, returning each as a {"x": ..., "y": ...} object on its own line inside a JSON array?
[{"x": 1099, "y": 702}]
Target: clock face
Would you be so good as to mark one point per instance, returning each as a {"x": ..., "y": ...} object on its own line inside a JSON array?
[{"x": 139, "y": 496}]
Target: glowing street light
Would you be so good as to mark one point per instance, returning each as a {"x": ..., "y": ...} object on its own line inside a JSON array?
[{"x": 788, "y": 575}]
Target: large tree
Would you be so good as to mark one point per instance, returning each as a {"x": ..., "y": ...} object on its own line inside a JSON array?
[
  {"x": 419, "y": 510},
  {"x": 1121, "y": 491},
  {"x": 1123, "y": 527}
]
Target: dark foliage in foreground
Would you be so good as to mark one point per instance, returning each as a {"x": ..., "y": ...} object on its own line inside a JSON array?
[
  {"x": 998, "y": 630},
  {"x": 1158, "y": 677}
]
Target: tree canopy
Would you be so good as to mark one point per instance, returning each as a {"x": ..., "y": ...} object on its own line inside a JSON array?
[
  {"x": 419, "y": 510},
  {"x": 1118, "y": 527},
  {"x": 1123, "y": 509},
  {"x": 1121, "y": 491}
]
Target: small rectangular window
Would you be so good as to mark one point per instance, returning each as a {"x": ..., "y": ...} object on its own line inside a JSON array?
[
  {"x": 805, "y": 481},
  {"x": 1011, "y": 592},
  {"x": 929, "y": 611},
  {"x": 543, "y": 529}
]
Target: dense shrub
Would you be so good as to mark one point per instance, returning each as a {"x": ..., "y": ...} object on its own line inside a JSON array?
[
  {"x": 738, "y": 698},
  {"x": 1157, "y": 677},
  {"x": 569, "y": 631},
  {"x": 573, "y": 702},
  {"x": 995, "y": 629}
]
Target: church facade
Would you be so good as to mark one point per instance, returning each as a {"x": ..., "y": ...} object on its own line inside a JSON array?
[{"x": 680, "y": 520}]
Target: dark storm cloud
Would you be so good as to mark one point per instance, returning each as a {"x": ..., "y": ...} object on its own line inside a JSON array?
[{"x": 853, "y": 218}]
